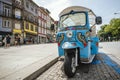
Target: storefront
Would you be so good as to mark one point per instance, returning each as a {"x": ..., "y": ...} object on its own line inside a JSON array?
[
  {"x": 42, "y": 38},
  {"x": 30, "y": 38},
  {"x": 30, "y": 33},
  {"x": 16, "y": 33}
]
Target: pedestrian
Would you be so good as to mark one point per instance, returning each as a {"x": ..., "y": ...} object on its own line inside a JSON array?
[
  {"x": 18, "y": 40},
  {"x": 4, "y": 42},
  {"x": 15, "y": 41},
  {"x": 24, "y": 40},
  {"x": 8, "y": 39}
]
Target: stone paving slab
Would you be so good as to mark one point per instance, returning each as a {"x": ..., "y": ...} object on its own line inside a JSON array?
[
  {"x": 17, "y": 63},
  {"x": 103, "y": 67}
]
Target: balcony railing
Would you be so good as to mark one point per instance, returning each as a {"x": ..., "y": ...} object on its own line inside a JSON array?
[
  {"x": 31, "y": 21},
  {"x": 3, "y": 14}
]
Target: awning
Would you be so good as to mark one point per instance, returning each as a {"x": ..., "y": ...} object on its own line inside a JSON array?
[
  {"x": 42, "y": 35},
  {"x": 17, "y": 31},
  {"x": 5, "y": 33},
  {"x": 31, "y": 32}
]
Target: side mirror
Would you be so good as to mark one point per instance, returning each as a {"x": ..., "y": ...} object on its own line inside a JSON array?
[
  {"x": 98, "y": 20},
  {"x": 52, "y": 27}
]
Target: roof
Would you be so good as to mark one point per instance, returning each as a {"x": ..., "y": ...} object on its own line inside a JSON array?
[{"x": 76, "y": 8}]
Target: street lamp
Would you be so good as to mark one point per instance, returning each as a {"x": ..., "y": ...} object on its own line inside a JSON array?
[{"x": 117, "y": 12}]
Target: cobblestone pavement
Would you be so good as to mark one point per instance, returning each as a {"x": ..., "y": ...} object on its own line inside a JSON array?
[{"x": 102, "y": 68}]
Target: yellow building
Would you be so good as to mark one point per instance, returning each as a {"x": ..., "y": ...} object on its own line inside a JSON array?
[{"x": 30, "y": 32}]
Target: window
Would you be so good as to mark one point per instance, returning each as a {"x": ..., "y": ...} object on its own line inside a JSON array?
[
  {"x": 36, "y": 11},
  {"x": 35, "y": 29},
  {"x": 6, "y": 23},
  {"x": 17, "y": 26},
  {"x": 17, "y": 13},
  {"x": 9, "y": 23},
  {"x": 40, "y": 13},
  {"x": 45, "y": 18},
  {"x": 27, "y": 4},
  {"x": 7, "y": 11},
  {"x": 32, "y": 18},
  {"x": 45, "y": 25},
  {"x": 76, "y": 19},
  {"x": 32, "y": 8},
  {"x": 43, "y": 30},
  {"x": 32, "y": 28},
  {"x": 39, "y": 21},
  {"x": 42, "y": 24},
  {"x": 91, "y": 19},
  {"x": 40, "y": 29},
  {"x": 27, "y": 26}
]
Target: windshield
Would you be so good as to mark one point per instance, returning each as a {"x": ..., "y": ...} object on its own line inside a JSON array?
[{"x": 77, "y": 19}]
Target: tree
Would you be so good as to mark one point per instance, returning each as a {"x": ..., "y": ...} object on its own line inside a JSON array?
[
  {"x": 111, "y": 30},
  {"x": 102, "y": 34},
  {"x": 115, "y": 24}
]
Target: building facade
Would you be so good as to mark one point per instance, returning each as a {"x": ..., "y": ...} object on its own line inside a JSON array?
[
  {"x": 5, "y": 18},
  {"x": 17, "y": 19},
  {"x": 26, "y": 19},
  {"x": 45, "y": 33},
  {"x": 41, "y": 28},
  {"x": 50, "y": 29},
  {"x": 43, "y": 23},
  {"x": 30, "y": 22}
]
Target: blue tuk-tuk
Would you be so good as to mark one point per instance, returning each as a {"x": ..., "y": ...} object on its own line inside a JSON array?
[{"x": 76, "y": 37}]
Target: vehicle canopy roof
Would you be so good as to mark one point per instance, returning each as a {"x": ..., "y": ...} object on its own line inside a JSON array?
[{"x": 76, "y": 8}]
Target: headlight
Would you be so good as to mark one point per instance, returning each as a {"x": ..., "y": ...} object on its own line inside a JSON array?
[{"x": 69, "y": 34}]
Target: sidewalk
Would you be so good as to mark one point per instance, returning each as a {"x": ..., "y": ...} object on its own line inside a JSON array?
[
  {"x": 18, "y": 63},
  {"x": 110, "y": 48}
]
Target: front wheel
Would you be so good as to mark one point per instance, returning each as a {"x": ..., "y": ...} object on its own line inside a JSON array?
[{"x": 69, "y": 65}]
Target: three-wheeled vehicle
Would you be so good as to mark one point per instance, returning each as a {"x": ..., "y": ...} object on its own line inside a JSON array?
[{"x": 76, "y": 37}]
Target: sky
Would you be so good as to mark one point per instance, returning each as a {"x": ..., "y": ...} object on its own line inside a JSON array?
[{"x": 103, "y": 8}]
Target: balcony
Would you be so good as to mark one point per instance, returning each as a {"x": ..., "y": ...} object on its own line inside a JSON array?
[
  {"x": 3, "y": 14},
  {"x": 17, "y": 17},
  {"x": 17, "y": 4},
  {"x": 31, "y": 21}
]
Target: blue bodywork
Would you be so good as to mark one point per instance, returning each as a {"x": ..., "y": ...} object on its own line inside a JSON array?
[{"x": 87, "y": 48}]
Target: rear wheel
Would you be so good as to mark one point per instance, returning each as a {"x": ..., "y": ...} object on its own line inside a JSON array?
[{"x": 69, "y": 65}]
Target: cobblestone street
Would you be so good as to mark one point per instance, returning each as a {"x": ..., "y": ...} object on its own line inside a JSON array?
[
  {"x": 102, "y": 68},
  {"x": 105, "y": 66}
]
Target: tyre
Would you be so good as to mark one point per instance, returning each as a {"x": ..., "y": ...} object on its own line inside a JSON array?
[{"x": 69, "y": 65}]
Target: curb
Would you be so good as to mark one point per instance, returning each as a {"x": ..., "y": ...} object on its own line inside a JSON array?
[{"x": 41, "y": 70}]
